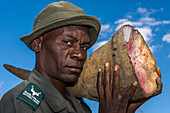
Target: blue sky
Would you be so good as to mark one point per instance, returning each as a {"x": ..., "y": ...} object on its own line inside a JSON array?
[{"x": 150, "y": 17}]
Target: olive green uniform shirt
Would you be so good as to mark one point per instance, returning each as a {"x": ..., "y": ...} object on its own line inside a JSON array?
[{"x": 52, "y": 101}]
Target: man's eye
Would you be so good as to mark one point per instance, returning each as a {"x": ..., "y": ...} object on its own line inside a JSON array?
[
  {"x": 84, "y": 48},
  {"x": 68, "y": 43}
]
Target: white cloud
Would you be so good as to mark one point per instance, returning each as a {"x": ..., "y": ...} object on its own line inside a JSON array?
[
  {"x": 154, "y": 47},
  {"x": 152, "y": 21},
  {"x": 97, "y": 45},
  {"x": 1, "y": 86},
  {"x": 146, "y": 12},
  {"x": 144, "y": 24},
  {"x": 166, "y": 22},
  {"x": 169, "y": 56},
  {"x": 154, "y": 11},
  {"x": 128, "y": 16},
  {"x": 122, "y": 22},
  {"x": 146, "y": 32},
  {"x": 143, "y": 21},
  {"x": 147, "y": 19},
  {"x": 166, "y": 38},
  {"x": 142, "y": 10},
  {"x": 106, "y": 29}
]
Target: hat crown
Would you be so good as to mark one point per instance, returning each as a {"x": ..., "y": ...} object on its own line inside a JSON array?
[
  {"x": 56, "y": 11},
  {"x": 60, "y": 14}
]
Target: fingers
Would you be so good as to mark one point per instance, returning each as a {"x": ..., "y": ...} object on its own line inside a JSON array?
[
  {"x": 126, "y": 97},
  {"x": 159, "y": 71},
  {"x": 112, "y": 100},
  {"x": 115, "y": 84},
  {"x": 100, "y": 87},
  {"x": 103, "y": 85},
  {"x": 107, "y": 81}
]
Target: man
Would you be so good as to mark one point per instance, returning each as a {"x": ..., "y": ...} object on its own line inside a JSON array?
[{"x": 61, "y": 35}]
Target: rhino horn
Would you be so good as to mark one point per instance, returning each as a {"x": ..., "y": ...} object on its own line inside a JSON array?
[{"x": 21, "y": 73}]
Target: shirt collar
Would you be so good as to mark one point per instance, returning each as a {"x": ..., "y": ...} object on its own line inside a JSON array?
[
  {"x": 54, "y": 99},
  {"x": 52, "y": 96}
]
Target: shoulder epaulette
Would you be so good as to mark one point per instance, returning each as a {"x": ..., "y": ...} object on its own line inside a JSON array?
[{"x": 32, "y": 94}]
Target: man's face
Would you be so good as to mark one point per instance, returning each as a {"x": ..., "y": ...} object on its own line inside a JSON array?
[{"x": 63, "y": 53}]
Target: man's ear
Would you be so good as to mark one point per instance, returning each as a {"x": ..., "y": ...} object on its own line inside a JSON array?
[{"x": 36, "y": 44}]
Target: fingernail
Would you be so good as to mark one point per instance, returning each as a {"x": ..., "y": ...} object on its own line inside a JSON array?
[
  {"x": 135, "y": 83},
  {"x": 100, "y": 69},
  {"x": 107, "y": 64},
  {"x": 115, "y": 68}
]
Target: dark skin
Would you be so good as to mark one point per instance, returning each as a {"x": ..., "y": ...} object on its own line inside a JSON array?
[
  {"x": 110, "y": 96},
  {"x": 60, "y": 56}
]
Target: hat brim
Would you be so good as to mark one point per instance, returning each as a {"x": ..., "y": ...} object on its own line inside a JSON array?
[{"x": 91, "y": 22}]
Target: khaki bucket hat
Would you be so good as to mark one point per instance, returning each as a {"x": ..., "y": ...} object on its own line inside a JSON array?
[{"x": 59, "y": 14}]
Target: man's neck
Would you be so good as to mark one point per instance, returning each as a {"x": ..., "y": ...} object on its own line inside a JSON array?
[{"x": 60, "y": 86}]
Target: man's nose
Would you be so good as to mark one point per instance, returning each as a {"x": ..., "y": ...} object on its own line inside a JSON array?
[{"x": 77, "y": 53}]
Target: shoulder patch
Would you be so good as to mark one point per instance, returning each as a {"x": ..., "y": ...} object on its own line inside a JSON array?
[{"x": 32, "y": 94}]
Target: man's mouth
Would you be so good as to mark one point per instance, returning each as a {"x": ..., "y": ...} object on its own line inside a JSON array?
[{"x": 74, "y": 68}]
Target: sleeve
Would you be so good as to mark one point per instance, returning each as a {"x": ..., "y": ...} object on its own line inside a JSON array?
[
  {"x": 1, "y": 107},
  {"x": 9, "y": 105},
  {"x": 6, "y": 106}
]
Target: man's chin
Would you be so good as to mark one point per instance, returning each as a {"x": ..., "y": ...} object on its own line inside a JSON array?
[
  {"x": 71, "y": 83},
  {"x": 71, "y": 79}
]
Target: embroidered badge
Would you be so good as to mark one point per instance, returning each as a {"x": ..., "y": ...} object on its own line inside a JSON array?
[{"x": 32, "y": 94}]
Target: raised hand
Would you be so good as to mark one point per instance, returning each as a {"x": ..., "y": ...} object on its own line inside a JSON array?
[{"x": 110, "y": 100}]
